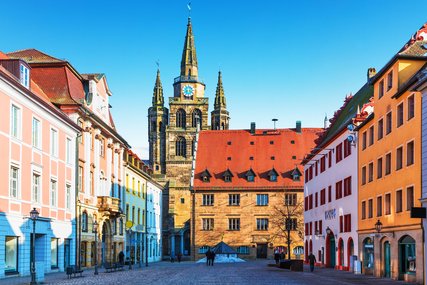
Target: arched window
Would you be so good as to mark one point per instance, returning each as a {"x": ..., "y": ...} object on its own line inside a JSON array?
[
  {"x": 180, "y": 118},
  {"x": 84, "y": 222},
  {"x": 407, "y": 259},
  {"x": 368, "y": 253},
  {"x": 181, "y": 147},
  {"x": 197, "y": 117},
  {"x": 160, "y": 126}
]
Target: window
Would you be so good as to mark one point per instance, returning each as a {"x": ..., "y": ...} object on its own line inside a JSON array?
[
  {"x": 68, "y": 149},
  {"x": 11, "y": 255},
  {"x": 381, "y": 89},
  {"x": 262, "y": 199},
  {"x": 389, "y": 80},
  {"x": 371, "y": 172},
  {"x": 338, "y": 190},
  {"x": 410, "y": 153},
  {"x": 290, "y": 223},
  {"x": 330, "y": 159},
  {"x": 329, "y": 194},
  {"x": 24, "y": 75},
  {"x": 411, "y": 107},
  {"x": 204, "y": 249},
  {"x": 347, "y": 148},
  {"x": 68, "y": 197},
  {"x": 380, "y": 129},
  {"x": 208, "y": 224},
  {"x": 54, "y": 253},
  {"x": 341, "y": 224},
  {"x": 181, "y": 147},
  {"x": 133, "y": 214},
  {"x": 80, "y": 179},
  {"x": 322, "y": 196},
  {"x": 371, "y": 135},
  {"x": 398, "y": 201},
  {"x": 370, "y": 208},
  {"x": 180, "y": 118},
  {"x": 379, "y": 167},
  {"x": 53, "y": 142},
  {"x": 234, "y": 199},
  {"x": 91, "y": 183},
  {"x": 121, "y": 226},
  {"x": 388, "y": 164},
  {"x": 387, "y": 204},
  {"x": 196, "y": 116},
  {"x": 133, "y": 185},
  {"x": 363, "y": 175},
  {"x": 338, "y": 154},
  {"x": 316, "y": 199},
  {"x": 14, "y": 182},
  {"x": 363, "y": 210},
  {"x": 262, "y": 224},
  {"x": 35, "y": 197},
  {"x": 208, "y": 199},
  {"x": 290, "y": 199},
  {"x": 84, "y": 221},
  {"x": 36, "y": 130},
  {"x": 251, "y": 178},
  {"x": 347, "y": 186},
  {"x": 323, "y": 163},
  {"x": 400, "y": 115},
  {"x": 15, "y": 122},
  {"x": 234, "y": 224},
  {"x": 399, "y": 158},
  {"x": 182, "y": 200},
  {"x": 364, "y": 139},
  {"x": 379, "y": 206},
  {"x": 409, "y": 198},
  {"x": 389, "y": 123},
  {"x": 243, "y": 250},
  {"x": 347, "y": 223},
  {"x": 102, "y": 147},
  {"x": 53, "y": 192}
]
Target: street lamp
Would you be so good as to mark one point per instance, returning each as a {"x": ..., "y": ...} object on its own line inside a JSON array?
[
  {"x": 378, "y": 226},
  {"x": 34, "y": 214},
  {"x": 95, "y": 230},
  {"x": 328, "y": 230}
]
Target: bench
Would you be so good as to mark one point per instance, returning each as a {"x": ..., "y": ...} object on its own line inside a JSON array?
[
  {"x": 73, "y": 270},
  {"x": 109, "y": 267},
  {"x": 119, "y": 266}
]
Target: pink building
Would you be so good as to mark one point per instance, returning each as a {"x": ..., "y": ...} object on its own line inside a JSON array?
[{"x": 37, "y": 170}]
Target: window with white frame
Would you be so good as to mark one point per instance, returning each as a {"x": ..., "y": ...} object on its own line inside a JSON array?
[
  {"x": 234, "y": 199},
  {"x": 53, "y": 142},
  {"x": 68, "y": 151},
  {"x": 262, "y": 199},
  {"x": 243, "y": 250},
  {"x": 15, "y": 122},
  {"x": 53, "y": 186},
  {"x": 208, "y": 224},
  {"x": 36, "y": 188},
  {"x": 102, "y": 147},
  {"x": 234, "y": 224},
  {"x": 24, "y": 75},
  {"x": 262, "y": 224},
  {"x": 14, "y": 182},
  {"x": 11, "y": 255},
  {"x": 208, "y": 200},
  {"x": 290, "y": 199},
  {"x": 36, "y": 131},
  {"x": 80, "y": 179},
  {"x": 68, "y": 197}
]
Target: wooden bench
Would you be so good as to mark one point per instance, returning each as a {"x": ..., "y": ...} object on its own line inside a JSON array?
[{"x": 73, "y": 270}]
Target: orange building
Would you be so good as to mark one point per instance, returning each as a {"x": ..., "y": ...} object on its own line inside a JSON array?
[{"x": 389, "y": 150}]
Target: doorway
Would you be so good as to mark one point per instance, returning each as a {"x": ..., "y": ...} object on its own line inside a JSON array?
[
  {"x": 387, "y": 259},
  {"x": 261, "y": 250},
  {"x": 330, "y": 250}
]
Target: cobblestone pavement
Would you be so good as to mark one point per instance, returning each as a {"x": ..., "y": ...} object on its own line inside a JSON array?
[{"x": 253, "y": 272}]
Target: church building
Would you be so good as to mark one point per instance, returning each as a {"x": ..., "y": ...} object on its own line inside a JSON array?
[{"x": 172, "y": 132}]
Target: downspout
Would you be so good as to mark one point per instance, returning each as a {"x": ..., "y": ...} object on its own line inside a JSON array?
[
  {"x": 77, "y": 205},
  {"x": 146, "y": 225}
]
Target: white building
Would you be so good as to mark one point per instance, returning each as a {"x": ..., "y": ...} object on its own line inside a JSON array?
[
  {"x": 154, "y": 221},
  {"x": 330, "y": 191}
]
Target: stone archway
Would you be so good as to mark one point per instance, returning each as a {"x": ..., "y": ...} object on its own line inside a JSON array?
[{"x": 106, "y": 242}]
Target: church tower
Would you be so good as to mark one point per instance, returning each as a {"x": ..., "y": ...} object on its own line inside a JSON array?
[
  {"x": 157, "y": 122},
  {"x": 219, "y": 116}
]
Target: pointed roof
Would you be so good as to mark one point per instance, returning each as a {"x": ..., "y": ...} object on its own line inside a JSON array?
[
  {"x": 34, "y": 56},
  {"x": 158, "y": 91},
  {"x": 219, "y": 95},
  {"x": 189, "y": 58},
  {"x": 250, "y": 173},
  {"x": 296, "y": 171},
  {"x": 206, "y": 173},
  {"x": 223, "y": 248},
  {"x": 272, "y": 172},
  {"x": 227, "y": 173}
]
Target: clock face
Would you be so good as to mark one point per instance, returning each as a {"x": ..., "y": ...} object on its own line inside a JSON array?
[{"x": 188, "y": 90}]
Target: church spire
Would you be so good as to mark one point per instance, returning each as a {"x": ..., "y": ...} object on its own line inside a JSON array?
[
  {"x": 189, "y": 58},
  {"x": 158, "y": 91},
  {"x": 219, "y": 95}
]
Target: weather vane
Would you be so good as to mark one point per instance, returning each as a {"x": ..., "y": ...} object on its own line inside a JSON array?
[
  {"x": 158, "y": 64},
  {"x": 189, "y": 9}
]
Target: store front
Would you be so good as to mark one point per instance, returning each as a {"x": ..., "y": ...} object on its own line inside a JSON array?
[{"x": 368, "y": 256}]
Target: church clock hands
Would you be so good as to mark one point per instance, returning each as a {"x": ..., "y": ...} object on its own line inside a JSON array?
[{"x": 188, "y": 90}]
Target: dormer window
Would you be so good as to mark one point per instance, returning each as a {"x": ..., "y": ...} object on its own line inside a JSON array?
[
  {"x": 227, "y": 175},
  {"x": 272, "y": 174},
  {"x": 250, "y": 175},
  {"x": 24, "y": 75},
  {"x": 205, "y": 175},
  {"x": 296, "y": 174}
]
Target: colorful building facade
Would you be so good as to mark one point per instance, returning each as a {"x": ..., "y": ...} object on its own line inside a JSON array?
[
  {"x": 37, "y": 147},
  {"x": 390, "y": 241},
  {"x": 246, "y": 184}
]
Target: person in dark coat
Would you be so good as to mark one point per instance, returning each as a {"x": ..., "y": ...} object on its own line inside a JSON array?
[
  {"x": 208, "y": 257},
  {"x": 212, "y": 258},
  {"x": 312, "y": 261},
  {"x": 179, "y": 256},
  {"x": 276, "y": 256},
  {"x": 121, "y": 258}
]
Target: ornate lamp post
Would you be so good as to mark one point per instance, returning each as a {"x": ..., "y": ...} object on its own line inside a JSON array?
[
  {"x": 34, "y": 215},
  {"x": 328, "y": 230},
  {"x": 378, "y": 226},
  {"x": 95, "y": 230}
]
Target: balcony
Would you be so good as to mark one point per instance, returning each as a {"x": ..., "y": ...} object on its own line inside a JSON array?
[
  {"x": 110, "y": 204},
  {"x": 184, "y": 78}
]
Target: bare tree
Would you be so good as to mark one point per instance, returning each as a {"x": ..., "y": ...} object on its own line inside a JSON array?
[{"x": 287, "y": 222}]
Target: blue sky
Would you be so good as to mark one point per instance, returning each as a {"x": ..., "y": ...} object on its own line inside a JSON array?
[{"x": 291, "y": 60}]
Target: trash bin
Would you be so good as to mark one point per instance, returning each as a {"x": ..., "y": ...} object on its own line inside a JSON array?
[
  {"x": 357, "y": 267},
  {"x": 39, "y": 271}
]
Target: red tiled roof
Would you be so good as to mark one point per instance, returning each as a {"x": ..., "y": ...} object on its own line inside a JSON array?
[
  {"x": 33, "y": 56},
  {"x": 218, "y": 151},
  {"x": 3, "y": 56}
]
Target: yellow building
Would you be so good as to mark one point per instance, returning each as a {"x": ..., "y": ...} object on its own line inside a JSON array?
[{"x": 389, "y": 150}]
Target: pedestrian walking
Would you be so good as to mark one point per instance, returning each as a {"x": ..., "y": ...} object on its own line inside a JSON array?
[
  {"x": 208, "y": 257},
  {"x": 276, "y": 256},
  {"x": 312, "y": 260},
  {"x": 121, "y": 258},
  {"x": 179, "y": 257},
  {"x": 212, "y": 258}
]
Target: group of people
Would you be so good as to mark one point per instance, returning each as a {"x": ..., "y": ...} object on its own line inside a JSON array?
[{"x": 210, "y": 258}]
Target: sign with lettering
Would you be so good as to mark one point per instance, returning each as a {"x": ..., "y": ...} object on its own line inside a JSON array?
[{"x": 330, "y": 214}]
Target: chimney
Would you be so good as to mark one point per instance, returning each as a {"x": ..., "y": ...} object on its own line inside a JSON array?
[
  {"x": 298, "y": 127},
  {"x": 253, "y": 128},
  {"x": 371, "y": 72}
]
